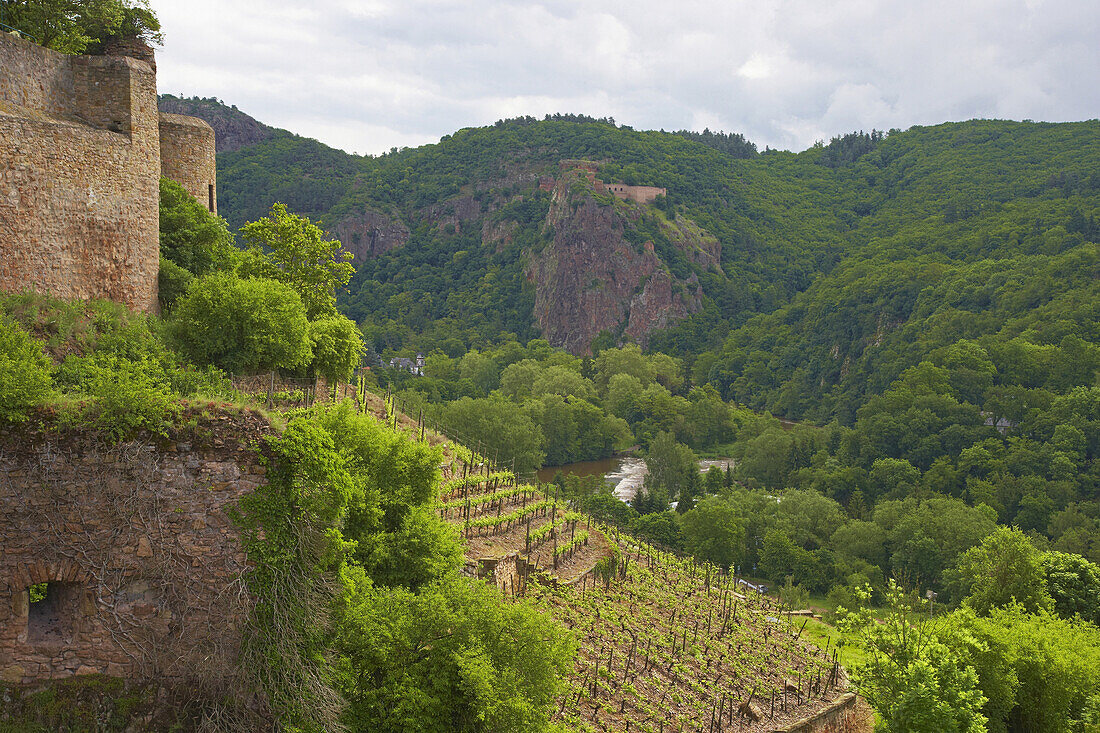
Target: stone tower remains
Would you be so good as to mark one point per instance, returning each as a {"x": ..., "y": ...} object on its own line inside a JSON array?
[{"x": 82, "y": 149}]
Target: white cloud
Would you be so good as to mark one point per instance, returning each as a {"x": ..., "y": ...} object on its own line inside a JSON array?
[{"x": 367, "y": 75}]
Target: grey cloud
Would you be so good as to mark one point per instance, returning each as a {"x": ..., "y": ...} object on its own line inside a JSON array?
[{"x": 366, "y": 76}]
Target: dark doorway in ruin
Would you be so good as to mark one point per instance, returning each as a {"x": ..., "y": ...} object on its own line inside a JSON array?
[
  {"x": 52, "y": 612},
  {"x": 210, "y": 199}
]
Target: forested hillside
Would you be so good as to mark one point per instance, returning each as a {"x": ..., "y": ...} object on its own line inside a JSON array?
[
  {"x": 857, "y": 259},
  {"x": 456, "y": 222},
  {"x": 978, "y": 230},
  {"x": 930, "y": 295}
]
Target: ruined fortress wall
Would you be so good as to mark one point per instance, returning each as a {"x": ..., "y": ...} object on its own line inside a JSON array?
[
  {"x": 79, "y": 170},
  {"x": 639, "y": 194},
  {"x": 35, "y": 77},
  {"x": 187, "y": 156},
  {"x": 143, "y": 561}
]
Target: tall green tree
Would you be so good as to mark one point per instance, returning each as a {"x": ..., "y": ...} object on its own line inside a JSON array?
[
  {"x": 670, "y": 464},
  {"x": 507, "y": 433},
  {"x": 79, "y": 26},
  {"x": 337, "y": 346},
  {"x": 1073, "y": 584},
  {"x": 1005, "y": 568},
  {"x": 291, "y": 249},
  {"x": 915, "y": 677},
  {"x": 713, "y": 532}
]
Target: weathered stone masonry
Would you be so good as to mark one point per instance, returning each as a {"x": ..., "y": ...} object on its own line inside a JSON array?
[
  {"x": 80, "y": 160},
  {"x": 143, "y": 563},
  {"x": 187, "y": 156},
  {"x": 589, "y": 169}
]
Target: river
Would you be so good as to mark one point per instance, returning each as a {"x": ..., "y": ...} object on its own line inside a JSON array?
[{"x": 625, "y": 473}]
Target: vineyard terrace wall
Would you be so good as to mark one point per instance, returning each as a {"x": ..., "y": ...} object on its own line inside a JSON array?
[
  {"x": 80, "y": 161},
  {"x": 142, "y": 563},
  {"x": 846, "y": 714}
]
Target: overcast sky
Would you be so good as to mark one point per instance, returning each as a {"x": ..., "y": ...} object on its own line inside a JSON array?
[{"x": 367, "y": 75}]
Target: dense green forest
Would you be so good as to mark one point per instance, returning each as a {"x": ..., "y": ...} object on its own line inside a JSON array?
[
  {"x": 927, "y": 296},
  {"x": 777, "y": 230},
  {"x": 842, "y": 265}
]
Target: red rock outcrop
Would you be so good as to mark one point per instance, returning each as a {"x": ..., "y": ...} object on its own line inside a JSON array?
[
  {"x": 592, "y": 279},
  {"x": 233, "y": 129}
]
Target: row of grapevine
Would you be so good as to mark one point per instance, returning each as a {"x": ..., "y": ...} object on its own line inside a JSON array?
[{"x": 669, "y": 644}]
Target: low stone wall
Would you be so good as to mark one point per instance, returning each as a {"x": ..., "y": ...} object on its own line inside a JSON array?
[
  {"x": 843, "y": 715},
  {"x": 143, "y": 564},
  {"x": 503, "y": 572}
]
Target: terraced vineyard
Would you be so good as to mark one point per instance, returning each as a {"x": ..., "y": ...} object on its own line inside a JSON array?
[
  {"x": 665, "y": 644},
  {"x": 530, "y": 530}
]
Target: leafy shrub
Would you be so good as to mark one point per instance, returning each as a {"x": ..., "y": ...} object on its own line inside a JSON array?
[
  {"x": 792, "y": 595},
  {"x": 25, "y": 372},
  {"x": 187, "y": 380},
  {"x": 659, "y": 528},
  {"x": 242, "y": 326},
  {"x": 337, "y": 347},
  {"x": 136, "y": 342},
  {"x": 172, "y": 282},
  {"x": 917, "y": 676},
  {"x": 191, "y": 237},
  {"x": 480, "y": 663},
  {"x": 1040, "y": 672},
  {"x": 127, "y": 397}
]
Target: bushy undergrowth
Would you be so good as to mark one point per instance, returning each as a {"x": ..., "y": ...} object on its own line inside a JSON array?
[
  {"x": 362, "y": 621},
  {"x": 242, "y": 325},
  {"x": 25, "y": 371},
  {"x": 111, "y": 369}
]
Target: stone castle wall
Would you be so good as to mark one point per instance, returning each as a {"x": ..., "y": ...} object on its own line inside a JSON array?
[
  {"x": 143, "y": 563},
  {"x": 80, "y": 162},
  {"x": 187, "y": 156},
  {"x": 588, "y": 169},
  {"x": 638, "y": 194},
  {"x": 79, "y": 165}
]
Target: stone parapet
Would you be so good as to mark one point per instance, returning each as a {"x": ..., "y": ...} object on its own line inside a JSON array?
[{"x": 846, "y": 714}]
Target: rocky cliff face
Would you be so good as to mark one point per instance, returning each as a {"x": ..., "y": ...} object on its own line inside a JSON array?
[
  {"x": 233, "y": 129},
  {"x": 370, "y": 234},
  {"x": 590, "y": 278}
]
